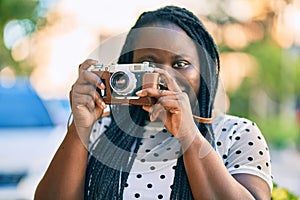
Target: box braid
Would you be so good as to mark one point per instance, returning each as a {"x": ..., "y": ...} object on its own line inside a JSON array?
[
  {"x": 109, "y": 164},
  {"x": 104, "y": 182}
]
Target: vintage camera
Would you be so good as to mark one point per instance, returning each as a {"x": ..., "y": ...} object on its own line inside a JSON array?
[{"x": 122, "y": 81}]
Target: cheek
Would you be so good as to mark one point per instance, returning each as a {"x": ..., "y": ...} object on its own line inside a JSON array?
[
  {"x": 193, "y": 78},
  {"x": 195, "y": 83},
  {"x": 189, "y": 82}
]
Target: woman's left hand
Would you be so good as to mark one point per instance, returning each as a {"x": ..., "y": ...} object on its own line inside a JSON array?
[{"x": 172, "y": 107}]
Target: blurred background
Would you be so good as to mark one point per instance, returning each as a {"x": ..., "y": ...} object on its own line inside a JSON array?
[{"x": 42, "y": 42}]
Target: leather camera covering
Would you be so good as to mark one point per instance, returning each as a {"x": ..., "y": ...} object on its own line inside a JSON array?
[{"x": 150, "y": 80}]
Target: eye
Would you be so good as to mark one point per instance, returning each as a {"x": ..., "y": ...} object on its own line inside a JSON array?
[{"x": 181, "y": 64}]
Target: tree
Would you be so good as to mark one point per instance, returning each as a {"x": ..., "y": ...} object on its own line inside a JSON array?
[{"x": 16, "y": 10}]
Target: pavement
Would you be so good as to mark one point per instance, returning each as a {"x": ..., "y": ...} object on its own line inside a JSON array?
[{"x": 286, "y": 168}]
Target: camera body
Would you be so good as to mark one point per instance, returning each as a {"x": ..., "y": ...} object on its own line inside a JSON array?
[{"x": 122, "y": 81}]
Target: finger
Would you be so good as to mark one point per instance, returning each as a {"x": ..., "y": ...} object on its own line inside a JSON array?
[
  {"x": 86, "y": 64},
  {"x": 164, "y": 102},
  {"x": 168, "y": 97},
  {"x": 152, "y": 92},
  {"x": 91, "y": 91},
  {"x": 86, "y": 77},
  {"x": 90, "y": 104},
  {"x": 85, "y": 101},
  {"x": 147, "y": 108},
  {"x": 170, "y": 81},
  {"x": 99, "y": 101},
  {"x": 171, "y": 105},
  {"x": 155, "y": 112},
  {"x": 85, "y": 89}
]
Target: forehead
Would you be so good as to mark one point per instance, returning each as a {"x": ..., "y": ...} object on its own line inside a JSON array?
[{"x": 169, "y": 38}]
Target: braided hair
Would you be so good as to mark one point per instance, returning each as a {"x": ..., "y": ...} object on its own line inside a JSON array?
[{"x": 108, "y": 181}]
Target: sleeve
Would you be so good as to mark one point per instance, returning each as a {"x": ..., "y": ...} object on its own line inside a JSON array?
[{"x": 247, "y": 151}]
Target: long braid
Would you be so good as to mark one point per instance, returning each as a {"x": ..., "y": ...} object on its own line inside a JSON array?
[
  {"x": 105, "y": 182},
  {"x": 209, "y": 68},
  {"x": 111, "y": 156}
]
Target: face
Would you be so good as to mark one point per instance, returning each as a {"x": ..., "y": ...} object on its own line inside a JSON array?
[{"x": 171, "y": 49}]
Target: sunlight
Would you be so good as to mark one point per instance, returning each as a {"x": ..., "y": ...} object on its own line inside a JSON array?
[{"x": 73, "y": 31}]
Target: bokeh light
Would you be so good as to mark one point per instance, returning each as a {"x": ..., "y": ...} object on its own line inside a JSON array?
[{"x": 258, "y": 41}]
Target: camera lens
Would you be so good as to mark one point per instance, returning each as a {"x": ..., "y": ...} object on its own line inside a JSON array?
[
  {"x": 123, "y": 82},
  {"x": 120, "y": 81}
]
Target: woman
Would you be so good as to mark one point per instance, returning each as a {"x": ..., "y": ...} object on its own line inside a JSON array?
[{"x": 189, "y": 157}]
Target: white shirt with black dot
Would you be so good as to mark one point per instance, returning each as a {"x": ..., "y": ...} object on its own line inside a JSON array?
[{"x": 239, "y": 143}]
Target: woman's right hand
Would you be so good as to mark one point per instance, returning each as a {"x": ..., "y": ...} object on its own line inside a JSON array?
[{"x": 86, "y": 103}]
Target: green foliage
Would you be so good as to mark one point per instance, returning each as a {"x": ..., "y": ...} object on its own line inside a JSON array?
[
  {"x": 239, "y": 99},
  {"x": 15, "y": 10},
  {"x": 278, "y": 69},
  {"x": 278, "y": 76},
  {"x": 280, "y": 132}
]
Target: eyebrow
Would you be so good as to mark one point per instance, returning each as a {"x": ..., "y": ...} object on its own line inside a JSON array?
[
  {"x": 152, "y": 57},
  {"x": 147, "y": 57},
  {"x": 181, "y": 56}
]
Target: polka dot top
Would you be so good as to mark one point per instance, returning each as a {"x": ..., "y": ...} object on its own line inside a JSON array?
[{"x": 239, "y": 143}]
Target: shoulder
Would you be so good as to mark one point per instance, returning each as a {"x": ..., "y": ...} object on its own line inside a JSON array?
[
  {"x": 233, "y": 128},
  {"x": 242, "y": 146},
  {"x": 232, "y": 132}
]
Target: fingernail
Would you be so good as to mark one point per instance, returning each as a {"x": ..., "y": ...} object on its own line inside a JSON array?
[
  {"x": 174, "y": 111},
  {"x": 103, "y": 105},
  {"x": 151, "y": 118},
  {"x": 101, "y": 86},
  {"x": 139, "y": 93}
]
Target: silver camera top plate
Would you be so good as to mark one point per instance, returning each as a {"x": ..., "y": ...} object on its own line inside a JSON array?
[{"x": 134, "y": 67}]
